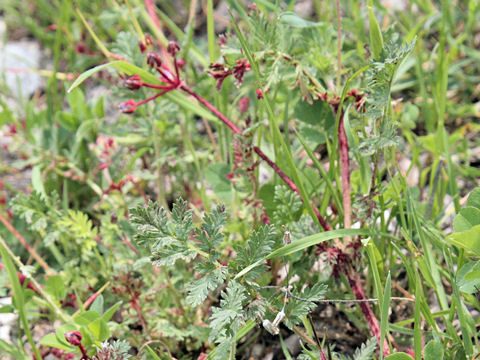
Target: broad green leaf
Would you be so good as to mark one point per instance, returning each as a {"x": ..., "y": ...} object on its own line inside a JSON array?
[
  {"x": 99, "y": 329},
  {"x": 433, "y": 350},
  {"x": 376, "y": 39},
  {"x": 468, "y": 277},
  {"x": 56, "y": 287},
  {"x": 468, "y": 240},
  {"x": 318, "y": 114},
  {"x": 305, "y": 243},
  {"x": 294, "y": 20},
  {"x": 399, "y": 356},
  {"x": 97, "y": 304},
  {"x": 467, "y": 218},
  {"x": 86, "y": 317},
  {"x": 474, "y": 198},
  {"x": 216, "y": 176},
  {"x": 53, "y": 341},
  {"x": 60, "y": 332},
  {"x": 109, "y": 313}
]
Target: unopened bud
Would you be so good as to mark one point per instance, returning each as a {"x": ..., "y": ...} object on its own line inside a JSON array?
[
  {"x": 259, "y": 93},
  {"x": 128, "y": 106},
  {"x": 153, "y": 60},
  {"x": 173, "y": 48},
  {"x": 74, "y": 337},
  {"x": 133, "y": 82}
]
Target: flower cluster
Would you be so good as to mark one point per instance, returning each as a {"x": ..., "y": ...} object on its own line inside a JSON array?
[
  {"x": 169, "y": 78},
  {"x": 104, "y": 146},
  {"x": 220, "y": 71}
]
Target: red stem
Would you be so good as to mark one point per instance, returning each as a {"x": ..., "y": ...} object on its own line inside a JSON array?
[
  {"x": 292, "y": 186},
  {"x": 212, "y": 108},
  {"x": 150, "y": 5},
  {"x": 345, "y": 172},
  {"x": 357, "y": 289},
  {"x": 27, "y": 247},
  {"x": 259, "y": 152}
]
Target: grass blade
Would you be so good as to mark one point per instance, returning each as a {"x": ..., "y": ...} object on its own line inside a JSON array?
[
  {"x": 385, "y": 306},
  {"x": 18, "y": 297},
  {"x": 305, "y": 243}
]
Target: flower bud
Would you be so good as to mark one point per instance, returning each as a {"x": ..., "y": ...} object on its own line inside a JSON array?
[
  {"x": 243, "y": 104},
  {"x": 153, "y": 60},
  {"x": 133, "y": 82},
  {"x": 74, "y": 337},
  {"x": 173, "y": 48},
  {"x": 128, "y": 106},
  {"x": 259, "y": 93}
]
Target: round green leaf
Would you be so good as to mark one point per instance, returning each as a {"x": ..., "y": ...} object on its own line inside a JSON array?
[
  {"x": 433, "y": 351},
  {"x": 468, "y": 277}
]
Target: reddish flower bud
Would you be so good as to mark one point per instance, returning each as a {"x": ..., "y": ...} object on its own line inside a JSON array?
[
  {"x": 128, "y": 106},
  {"x": 154, "y": 60},
  {"x": 243, "y": 104},
  {"x": 220, "y": 73},
  {"x": 148, "y": 40},
  {"x": 240, "y": 69},
  {"x": 173, "y": 48},
  {"x": 74, "y": 337},
  {"x": 259, "y": 93},
  {"x": 141, "y": 46},
  {"x": 181, "y": 62},
  {"x": 80, "y": 48},
  {"x": 13, "y": 129},
  {"x": 133, "y": 82}
]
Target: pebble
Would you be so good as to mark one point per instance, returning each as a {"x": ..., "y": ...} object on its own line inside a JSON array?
[{"x": 7, "y": 321}]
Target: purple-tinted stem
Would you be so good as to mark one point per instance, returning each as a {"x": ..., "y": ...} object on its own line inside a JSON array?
[
  {"x": 153, "y": 97},
  {"x": 357, "y": 289},
  {"x": 345, "y": 173},
  {"x": 212, "y": 108},
  {"x": 259, "y": 152}
]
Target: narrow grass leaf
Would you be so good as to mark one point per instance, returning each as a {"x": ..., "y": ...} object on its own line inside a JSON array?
[
  {"x": 19, "y": 298},
  {"x": 385, "y": 304},
  {"x": 376, "y": 38},
  {"x": 305, "y": 243}
]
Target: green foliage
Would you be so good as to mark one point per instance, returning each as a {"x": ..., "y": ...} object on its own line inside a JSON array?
[
  {"x": 380, "y": 78},
  {"x": 218, "y": 271},
  {"x": 303, "y": 303}
]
